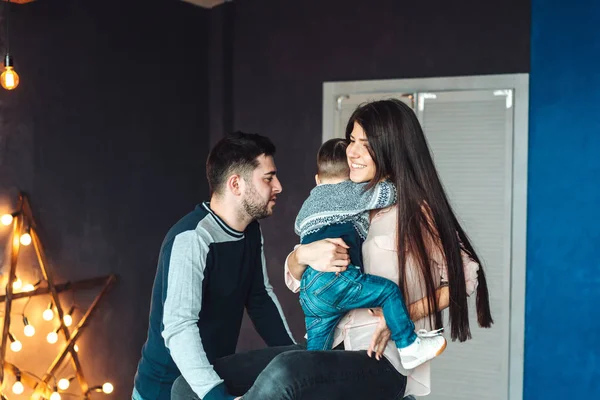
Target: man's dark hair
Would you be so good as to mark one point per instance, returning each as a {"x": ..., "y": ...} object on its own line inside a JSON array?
[
  {"x": 331, "y": 159},
  {"x": 236, "y": 153}
]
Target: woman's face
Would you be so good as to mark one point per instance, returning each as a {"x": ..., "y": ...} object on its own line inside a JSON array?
[{"x": 362, "y": 165}]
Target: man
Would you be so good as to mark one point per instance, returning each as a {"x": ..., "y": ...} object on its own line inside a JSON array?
[{"x": 211, "y": 266}]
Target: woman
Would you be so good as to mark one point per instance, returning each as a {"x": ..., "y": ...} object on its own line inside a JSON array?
[{"x": 417, "y": 243}]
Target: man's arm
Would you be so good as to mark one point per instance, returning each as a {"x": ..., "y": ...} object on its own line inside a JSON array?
[
  {"x": 264, "y": 309},
  {"x": 185, "y": 261}
]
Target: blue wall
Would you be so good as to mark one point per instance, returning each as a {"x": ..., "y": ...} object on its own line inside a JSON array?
[{"x": 562, "y": 334}]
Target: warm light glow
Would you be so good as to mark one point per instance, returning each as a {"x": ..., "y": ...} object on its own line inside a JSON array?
[
  {"x": 76, "y": 348},
  {"x": 6, "y": 219},
  {"x": 17, "y": 284},
  {"x": 68, "y": 320},
  {"x": 29, "y": 330},
  {"x": 107, "y": 388},
  {"x": 16, "y": 346},
  {"x": 48, "y": 314},
  {"x": 52, "y": 337},
  {"x": 55, "y": 396},
  {"x": 64, "y": 384},
  {"x": 28, "y": 287},
  {"x": 26, "y": 239},
  {"x": 9, "y": 78},
  {"x": 18, "y": 387}
]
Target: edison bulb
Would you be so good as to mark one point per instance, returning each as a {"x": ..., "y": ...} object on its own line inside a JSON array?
[
  {"x": 9, "y": 78},
  {"x": 17, "y": 284},
  {"x": 64, "y": 384},
  {"x": 68, "y": 320},
  {"x": 48, "y": 314},
  {"x": 18, "y": 387},
  {"x": 29, "y": 330},
  {"x": 6, "y": 219},
  {"x": 16, "y": 346},
  {"x": 55, "y": 396},
  {"x": 107, "y": 388},
  {"x": 52, "y": 337},
  {"x": 25, "y": 239}
]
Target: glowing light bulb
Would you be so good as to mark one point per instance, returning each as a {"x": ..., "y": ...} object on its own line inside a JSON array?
[
  {"x": 55, "y": 396},
  {"x": 29, "y": 330},
  {"x": 6, "y": 219},
  {"x": 16, "y": 346},
  {"x": 48, "y": 314},
  {"x": 68, "y": 320},
  {"x": 52, "y": 337},
  {"x": 28, "y": 287},
  {"x": 76, "y": 348},
  {"x": 17, "y": 284},
  {"x": 108, "y": 388},
  {"x": 18, "y": 387},
  {"x": 25, "y": 239},
  {"x": 64, "y": 384}
]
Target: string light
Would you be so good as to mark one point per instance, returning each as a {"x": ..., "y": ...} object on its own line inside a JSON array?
[
  {"x": 108, "y": 388},
  {"x": 25, "y": 239},
  {"x": 28, "y": 287},
  {"x": 52, "y": 337},
  {"x": 48, "y": 313},
  {"x": 55, "y": 395},
  {"x": 64, "y": 383},
  {"x": 68, "y": 317},
  {"x": 18, "y": 387},
  {"x": 17, "y": 283},
  {"x": 15, "y": 345},
  {"x": 28, "y": 330},
  {"x": 6, "y": 219},
  {"x": 76, "y": 348}
]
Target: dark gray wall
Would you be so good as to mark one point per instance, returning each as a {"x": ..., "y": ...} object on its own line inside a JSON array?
[
  {"x": 108, "y": 132},
  {"x": 284, "y": 50}
]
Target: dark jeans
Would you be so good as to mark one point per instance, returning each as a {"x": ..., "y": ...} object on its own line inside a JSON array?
[
  {"x": 292, "y": 374},
  {"x": 326, "y": 297}
]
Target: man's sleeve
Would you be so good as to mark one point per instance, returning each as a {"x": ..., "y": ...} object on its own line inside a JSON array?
[
  {"x": 185, "y": 265},
  {"x": 264, "y": 308}
]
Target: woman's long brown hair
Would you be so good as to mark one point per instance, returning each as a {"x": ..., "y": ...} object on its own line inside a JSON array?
[{"x": 401, "y": 154}]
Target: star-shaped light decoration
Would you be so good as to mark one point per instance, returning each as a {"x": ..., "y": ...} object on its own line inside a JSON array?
[{"x": 24, "y": 232}]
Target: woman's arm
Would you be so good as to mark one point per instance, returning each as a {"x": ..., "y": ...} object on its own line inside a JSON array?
[
  {"x": 420, "y": 308},
  {"x": 327, "y": 255}
]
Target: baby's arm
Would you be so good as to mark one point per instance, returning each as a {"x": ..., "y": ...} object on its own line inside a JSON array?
[{"x": 382, "y": 195}]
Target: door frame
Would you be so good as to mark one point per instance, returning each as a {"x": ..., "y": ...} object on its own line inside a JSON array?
[{"x": 332, "y": 91}]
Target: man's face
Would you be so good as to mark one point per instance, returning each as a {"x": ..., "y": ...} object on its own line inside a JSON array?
[{"x": 261, "y": 189}]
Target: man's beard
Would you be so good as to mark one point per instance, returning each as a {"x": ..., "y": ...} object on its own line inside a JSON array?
[{"x": 254, "y": 206}]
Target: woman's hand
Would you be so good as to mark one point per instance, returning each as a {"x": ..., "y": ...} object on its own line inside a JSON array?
[
  {"x": 326, "y": 255},
  {"x": 381, "y": 336}
]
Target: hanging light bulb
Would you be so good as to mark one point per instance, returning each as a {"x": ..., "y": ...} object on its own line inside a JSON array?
[
  {"x": 7, "y": 219},
  {"x": 9, "y": 78},
  {"x": 17, "y": 283},
  {"x": 108, "y": 388},
  {"x": 48, "y": 313},
  {"x": 52, "y": 337},
  {"x": 18, "y": 387},
  {"x": 28, "y": 330},
  {"x": 68, "y": 317},
  {"x": 55, "y": 395},
  {"x": 15, "y": 345}
]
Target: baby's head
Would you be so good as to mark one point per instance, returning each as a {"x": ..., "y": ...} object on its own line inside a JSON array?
[{"x": 332, "y": 164}]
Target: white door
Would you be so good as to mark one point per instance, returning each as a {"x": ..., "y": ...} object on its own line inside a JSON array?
[{"x": 471, "y": 135}]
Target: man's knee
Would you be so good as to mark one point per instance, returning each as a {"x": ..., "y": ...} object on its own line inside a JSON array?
[{"x": 181, "y": 390}]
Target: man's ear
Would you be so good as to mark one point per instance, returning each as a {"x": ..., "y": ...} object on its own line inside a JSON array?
[
  {"x": 317, "y": 180},
  {"x": 235, "y": 184}
]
